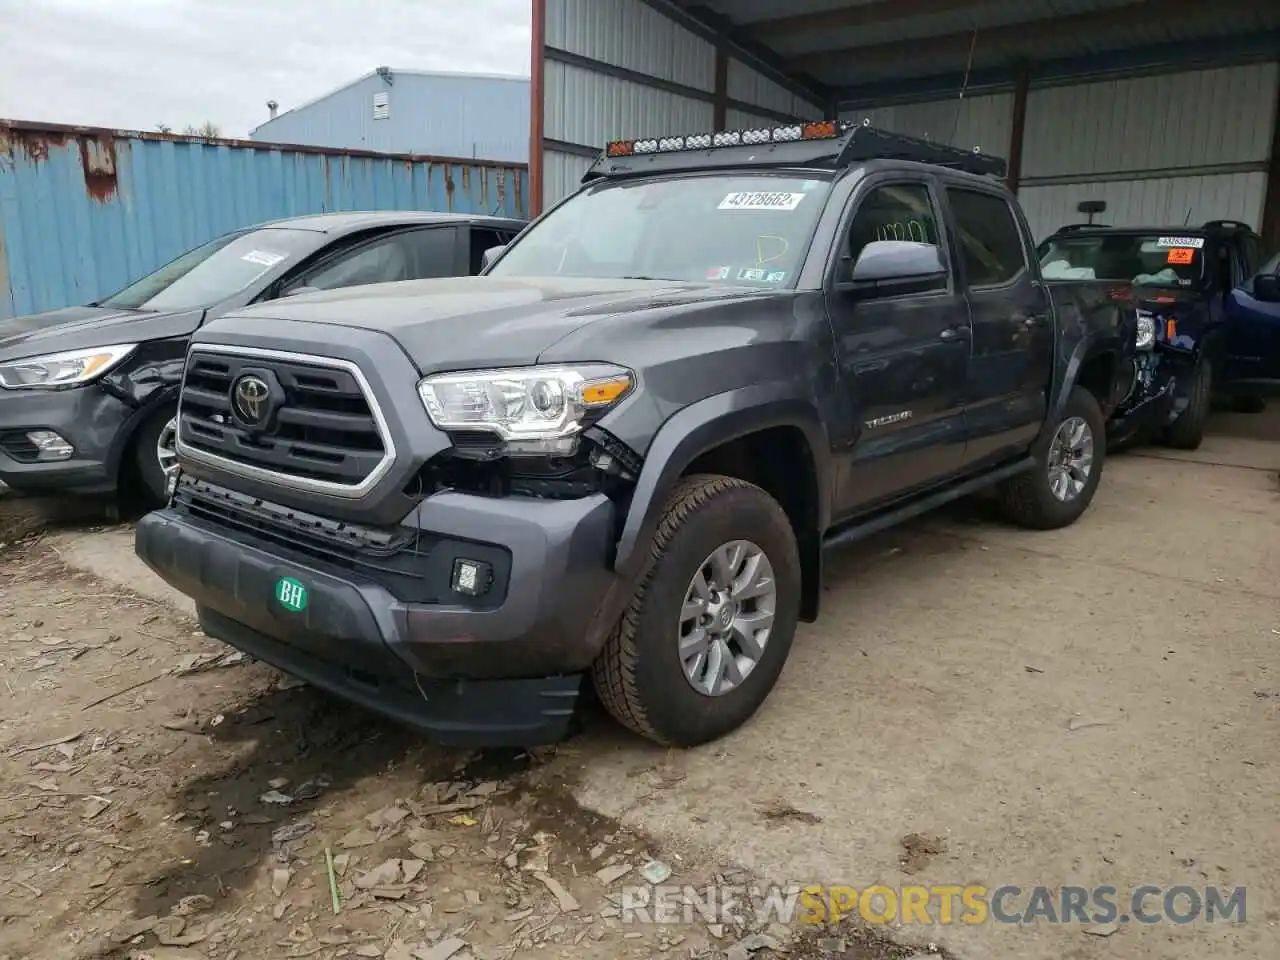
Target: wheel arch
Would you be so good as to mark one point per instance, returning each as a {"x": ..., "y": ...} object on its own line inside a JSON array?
[{"x": 731, "y": 433}]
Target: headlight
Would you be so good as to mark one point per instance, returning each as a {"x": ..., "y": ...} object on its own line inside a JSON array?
[
  {"x": 533, "y": 409},
  {"x": 62, "y": 369},
  {"x": 1146, "y": 330}
]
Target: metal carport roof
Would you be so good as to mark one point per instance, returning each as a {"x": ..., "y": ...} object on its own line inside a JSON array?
[
  {"x": 833, "y": 57},
  {"x": 876, "y": 49}
]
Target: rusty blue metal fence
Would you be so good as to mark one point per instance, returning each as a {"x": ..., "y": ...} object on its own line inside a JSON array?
[{"x": 84, "y": 211}]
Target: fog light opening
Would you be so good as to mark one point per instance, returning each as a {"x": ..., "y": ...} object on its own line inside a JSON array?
[
  {"x": 471, "y": 578},
  {"x": 50, "y": 446}
]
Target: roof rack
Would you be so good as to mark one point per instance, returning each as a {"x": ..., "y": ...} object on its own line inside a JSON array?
[{"x": 827, "y": 144}]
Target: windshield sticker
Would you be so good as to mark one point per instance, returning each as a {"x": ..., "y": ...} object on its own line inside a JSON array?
[
  {"x": 751, "y": 273},
  {"x": 719, "y": 273},
  {"x": 761, "y": 201},
  {"x": 264, "y": 258},
  {"x": 777, "y": 276},
  {"x": 1182, "y": 255},
  {"x": 1195, "y": 243}
]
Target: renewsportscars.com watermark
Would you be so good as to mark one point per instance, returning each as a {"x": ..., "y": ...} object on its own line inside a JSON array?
[{"x": 969, "y": 904}]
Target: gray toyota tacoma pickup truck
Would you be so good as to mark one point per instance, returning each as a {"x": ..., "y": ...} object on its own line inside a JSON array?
[{"x": 619, "y": 455}]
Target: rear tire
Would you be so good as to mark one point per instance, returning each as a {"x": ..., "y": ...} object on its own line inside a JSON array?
[
  {"x": 1187, "y": 432},
  {"x": 646, "y": 676},
  {"x": 1068, "y": 467},
  {"x": 152, "y": 478}
]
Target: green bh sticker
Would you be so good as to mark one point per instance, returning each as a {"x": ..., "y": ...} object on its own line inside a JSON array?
[{"x": 291, "y": 594}]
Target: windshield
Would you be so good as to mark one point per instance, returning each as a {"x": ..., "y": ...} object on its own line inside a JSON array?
[
  {"x": 214, "y": 271},
  {"x": 742, "y": 229},
  {"x": 1150, "y": 260}
]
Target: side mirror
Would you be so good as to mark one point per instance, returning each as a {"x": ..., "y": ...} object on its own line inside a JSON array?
[
  {"x": 890, "y": 265},
  {"x": 491, "y": 255},
  {"x": 1266, "y": 287},
  {"x": 298, "y": 291}
]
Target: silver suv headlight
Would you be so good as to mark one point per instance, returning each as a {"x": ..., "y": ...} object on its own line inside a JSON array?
[
  {"x": 1146, "y": 338},
  {"x": 532, "y": 409},
  {"x": 72, "y": 368}
]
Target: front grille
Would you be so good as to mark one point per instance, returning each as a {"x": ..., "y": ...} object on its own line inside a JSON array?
[
  {"x": 321, "y": 427},
  {"x": 397, "y": 558},
  {"x": 16, "y": 445}
]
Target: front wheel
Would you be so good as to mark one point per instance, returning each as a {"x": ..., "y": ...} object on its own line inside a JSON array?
[
  {"x": 709, "y": 628},
  {"x": 1187, "y": 432},
  {"x": 1068, "y": 467},
  {"x": 155, "y": 455}
]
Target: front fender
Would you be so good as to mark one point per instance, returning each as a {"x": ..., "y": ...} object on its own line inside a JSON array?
[
  {"x": 1068, "y": 375},
  {"x": 707, "y": 424}
]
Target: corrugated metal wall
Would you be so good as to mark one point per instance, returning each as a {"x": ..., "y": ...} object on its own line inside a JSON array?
[
  {"x": 443, "y": 115},
  {"x": 587, "y": 108},
  {"x": 618, "y": 69},
  {"x": 83, "y": 211},
  {"x": 1157, "y": 149},
  {"x": 980, "y": 121}
]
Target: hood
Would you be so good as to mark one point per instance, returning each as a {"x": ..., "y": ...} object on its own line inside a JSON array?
[
  {"x": 458, "y": 322},
  {"x": 76, "y": 328}
]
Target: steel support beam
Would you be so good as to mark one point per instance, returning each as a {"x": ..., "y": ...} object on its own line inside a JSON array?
[
  {"x": 1018, "y": 126},
  {"x": 537, "y": 105},
  {"x": 1270, "y": 229},
  {"x": 721, "y": 102}
]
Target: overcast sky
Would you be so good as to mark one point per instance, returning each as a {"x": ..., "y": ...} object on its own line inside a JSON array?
[{"x": 139, "y": 63}]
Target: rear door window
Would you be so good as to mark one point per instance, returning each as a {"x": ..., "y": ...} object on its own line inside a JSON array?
[{"x": 990, "y": 243}]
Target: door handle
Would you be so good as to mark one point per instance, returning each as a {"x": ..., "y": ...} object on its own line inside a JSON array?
[{"x": 954, "y": 333}]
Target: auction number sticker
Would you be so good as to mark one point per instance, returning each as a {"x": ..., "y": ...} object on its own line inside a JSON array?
[
  {"x": 761, "y": 201},
  {"x": 262, "y": 258},
  {"x": 1195, "y": 243}
]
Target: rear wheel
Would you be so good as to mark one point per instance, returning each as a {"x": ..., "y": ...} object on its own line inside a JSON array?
[
  {"x": 1187, "y": 432},
  {"x": 155, "y": 456},
  {"x": 705, "y": 637},
  {"x": 1068, "y": 467}
]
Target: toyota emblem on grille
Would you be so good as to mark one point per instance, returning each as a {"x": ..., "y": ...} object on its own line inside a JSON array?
[{"x": 251, "y": 399}]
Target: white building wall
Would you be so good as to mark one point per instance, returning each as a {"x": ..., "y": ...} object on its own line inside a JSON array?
[
  {"x": 671, "y": 91},
  {"x": 588, "y": 108},
  {"x": 1164, "y": 149}
]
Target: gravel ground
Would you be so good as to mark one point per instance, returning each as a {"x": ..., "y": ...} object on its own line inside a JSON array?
[{"x": 978, "y": 704}]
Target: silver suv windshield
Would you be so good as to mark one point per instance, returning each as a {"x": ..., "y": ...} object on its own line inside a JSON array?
[
  {"x": 216, "y": 270},
  {"x": 750, "y": 229}
]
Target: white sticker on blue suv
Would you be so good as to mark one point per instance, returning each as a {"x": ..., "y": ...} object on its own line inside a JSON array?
[
  {"x": 761, "y": 201},
  {"x": 1196, "y": 242}
]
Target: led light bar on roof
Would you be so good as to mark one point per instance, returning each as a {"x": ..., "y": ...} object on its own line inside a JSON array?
[{"x": 788, "y": 133}]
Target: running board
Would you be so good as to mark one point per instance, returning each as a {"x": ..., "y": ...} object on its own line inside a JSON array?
[{"x": 883, "y": 521}]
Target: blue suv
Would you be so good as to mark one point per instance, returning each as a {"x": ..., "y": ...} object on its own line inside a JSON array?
[{"x": 1208, "y": 300}]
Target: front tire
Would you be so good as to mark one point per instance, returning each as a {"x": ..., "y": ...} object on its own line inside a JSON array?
[
  {"x": 154, "y": 456},
  {"x": 1068, "y": 467},
  {"x": 706, "y": 634},
  {"x": 1187, "y": 432}
]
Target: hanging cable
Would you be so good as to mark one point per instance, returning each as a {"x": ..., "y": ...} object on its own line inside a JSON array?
[{"x": 968, "y": 69}]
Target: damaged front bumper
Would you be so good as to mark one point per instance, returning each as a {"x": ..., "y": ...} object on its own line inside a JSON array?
[
  {"x": 1152, "y": 401},
  {"x": 379, "y": 616}
]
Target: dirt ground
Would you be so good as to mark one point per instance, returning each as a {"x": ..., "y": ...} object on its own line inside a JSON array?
[{"x": 978, "y": 705}]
